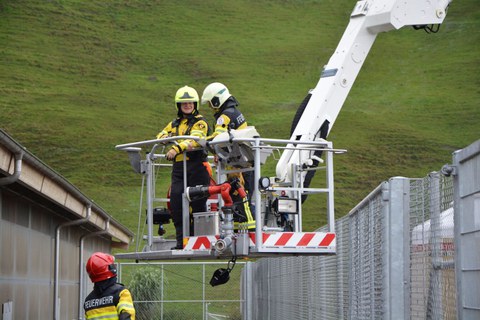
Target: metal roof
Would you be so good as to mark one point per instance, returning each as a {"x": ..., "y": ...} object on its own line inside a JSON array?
[{"x": 20, "y": 166}]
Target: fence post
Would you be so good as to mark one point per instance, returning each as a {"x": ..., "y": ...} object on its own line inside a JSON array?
[
  {"x": 397, "y": 249},
  {"x": 247, "y": 292},
  {"x": 434, "y": 302}
]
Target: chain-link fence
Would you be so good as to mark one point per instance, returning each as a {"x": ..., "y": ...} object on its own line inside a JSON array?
[
  {"x": 394, "y": 260},
  {"x": 432, "y": 255},
  {"x": 398, "y": 256},
  {"x": 181, "y": 290}
]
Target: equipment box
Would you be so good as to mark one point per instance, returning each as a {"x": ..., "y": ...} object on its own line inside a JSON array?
[{"x": 206, "y": 223}]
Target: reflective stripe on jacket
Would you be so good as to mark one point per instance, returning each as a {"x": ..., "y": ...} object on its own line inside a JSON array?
[
  {"x": 230, "y": 117},
  {"x": 113, "y": 303},
  {"x": 194, "y": 126}
]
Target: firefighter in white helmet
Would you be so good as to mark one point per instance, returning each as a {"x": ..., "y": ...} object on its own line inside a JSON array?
[
  {"x": 188, "y": 122},
  {"x": 228, "y": 116},
  {"x": 224, "y": 105},
  {"x": 109, "y": 299}
]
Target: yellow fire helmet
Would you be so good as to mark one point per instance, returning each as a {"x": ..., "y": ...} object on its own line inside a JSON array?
[{"x": 186, "y": 94}]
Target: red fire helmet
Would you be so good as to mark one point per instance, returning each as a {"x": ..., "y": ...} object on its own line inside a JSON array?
[{"x": 101, "y": 266}]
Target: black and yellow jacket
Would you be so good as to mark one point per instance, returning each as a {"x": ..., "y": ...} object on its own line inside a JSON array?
[
  {"x": 191, "y": 125},
  {"x": 109, "y": 300},
  {"x": 228, "y": 117}
]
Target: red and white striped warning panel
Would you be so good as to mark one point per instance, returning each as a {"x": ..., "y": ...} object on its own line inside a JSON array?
[
  {"x": 199, "y": 243},
  {"x": 296, "y": 240},
  {"x": 313, "y": 240}
]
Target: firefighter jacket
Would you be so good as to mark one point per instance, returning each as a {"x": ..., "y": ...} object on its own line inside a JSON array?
[
  {"x": 109, "y": 300},
  {"x": 228, "y": 117},
  {"x": 194, "y": 125}
]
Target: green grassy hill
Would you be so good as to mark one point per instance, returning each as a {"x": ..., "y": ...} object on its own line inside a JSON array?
[{"x": 79, "y": 77}]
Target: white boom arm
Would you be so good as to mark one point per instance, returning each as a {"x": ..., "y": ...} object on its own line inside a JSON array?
[{"x": 369, "y": 17}]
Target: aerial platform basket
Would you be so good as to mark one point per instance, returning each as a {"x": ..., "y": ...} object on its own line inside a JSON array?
[{"x": 278, "y": 231}]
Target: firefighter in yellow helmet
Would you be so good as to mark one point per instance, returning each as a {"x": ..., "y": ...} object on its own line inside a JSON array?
[
  {"x": 228, "y": 116},
  {"x": 188, "y": 122},
  {"x": 109, "y": 299}
]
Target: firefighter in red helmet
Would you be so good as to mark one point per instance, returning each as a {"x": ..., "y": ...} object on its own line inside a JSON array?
[{"x": 109, "y": 299}]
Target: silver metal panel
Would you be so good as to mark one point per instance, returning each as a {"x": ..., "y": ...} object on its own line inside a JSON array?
[
  {"x": 467, "y": 230},
  {"x": 206, "y": 223},
  {"x": 27, "y": 235}
]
